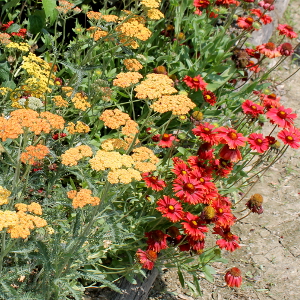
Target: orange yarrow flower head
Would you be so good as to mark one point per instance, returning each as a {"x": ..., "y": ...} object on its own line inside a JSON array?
[
  {"x": 127, "y": 79},
  {"x": 33, "y": 154},
  {"x": 155, "y": 86},
  {"x": 73, "y": 155},
  {"x": 114, "y": 118},
  {"x": 132, "y": 64},
  {"x": 83, "y": 198}
]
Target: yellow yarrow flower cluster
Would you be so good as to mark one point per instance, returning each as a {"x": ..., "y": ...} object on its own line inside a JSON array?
[
  {"x": 127, "y": 79},
  {"x": 151, "y": 3},
  {"x": 132, "y": 64},
  {"x": 80, "y": 127},
  {"x": 73, "y": 155},
  {"x": 82, "y": 198},
  {"x": 155, "y": 86},
  {"x": 37, "y": 85},
  {"x": 20, "y": 223},
  {"x": 4, "y": 194},
  {"x": 177, "y": 104},
  {"x": 24, "y": 47},
  {"x": 155, "y": 14}
]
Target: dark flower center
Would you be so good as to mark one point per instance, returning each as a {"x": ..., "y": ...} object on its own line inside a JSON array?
[
  {"x": 290, "y": 138},
  {"x": 189, "y": 187},
  {"x": 258, "y": 141},
  {"x": 282, "y": 114},
  {"x": 232, "y": 135},
  {"x": 249, "y": 20},
  {"x": 171, "y": 207},
  {"x": 253, "y": 107},
  {"x": 165, "y": 137},
  {"x": 270, "y": 46},
  {"x": 236, "y": 272}
]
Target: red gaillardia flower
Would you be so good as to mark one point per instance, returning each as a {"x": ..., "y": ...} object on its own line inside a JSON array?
[
  {"x": 201, "y": 3},
  {"x": 267, "y": 4},
  {"x": 231, "y": 137},
  {"x": 233, "y": 277},
  {"x": 253, "y": 53},
  {"x": 188, "y": 190},
  {"x": 281, "y": 116},
  {"x": 230, "y": 154},
  {"x": 270, "y": 101},
  {"x": 287, "y": 30},
  {"x": 180, "y": 167},
  {"x": 205, "y": 151},
  {"x": 153, "y": 182},
  {"x": 197, "y": 246},
  {"x": 290, "y": 137},
  {"x": 252, "y": 66},
  {"x": 209, "y": 97},
  {"x": 196, "y": 83},
  {"x": 266, "y": 19},
  {"x": 222, "y": 167},
  {"x": 207, "y": 132},
  {"x": 166, "y": 140},
  {"x": 229, "y": 241},
  {"x": 227, "y": 2},
  {"x": 223, "y": 217},
  {"x": 286, "y": 49},
  {"x": 170, "y": 208},
  {"x": 268, "y": 49},
  {"x": 146, "y": 258},
  {"x": 195, "y": 227},
  {"x": 245, "y": 23},
  {"x": 251, "y": 108},
  {"x": 258, "y": 142},
  {"x": 200, "y": 164},
  {"x": 255, "y": 203},
  {"x": 157, "y": 240}
]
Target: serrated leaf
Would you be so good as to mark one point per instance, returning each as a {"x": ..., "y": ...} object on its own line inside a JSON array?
[
  {"x": 4, "y": 71},
  {"x": 50, "y": 11}
]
